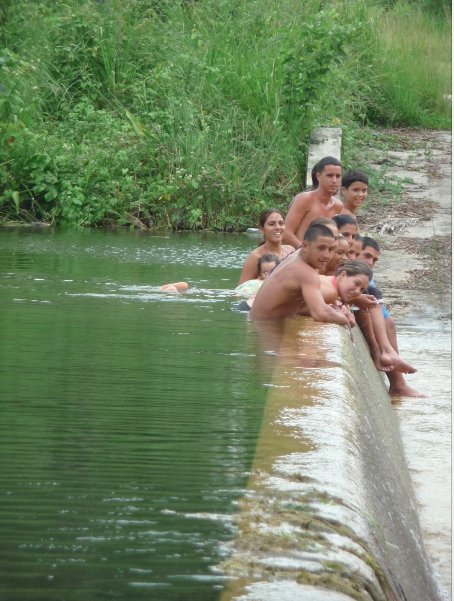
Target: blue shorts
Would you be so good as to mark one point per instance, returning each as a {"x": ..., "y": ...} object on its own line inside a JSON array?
[{"x": 385, "y": 311}]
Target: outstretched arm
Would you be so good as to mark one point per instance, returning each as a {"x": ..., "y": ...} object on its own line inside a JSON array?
[
  {"x": 298, "y": 210},
  {"x": 316, "y": 305}
]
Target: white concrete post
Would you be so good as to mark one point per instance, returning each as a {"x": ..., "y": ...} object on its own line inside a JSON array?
[{"x": 324, "y": 142}]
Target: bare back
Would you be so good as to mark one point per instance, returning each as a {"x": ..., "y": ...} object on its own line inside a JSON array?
[{"x": 306, "y": 206}]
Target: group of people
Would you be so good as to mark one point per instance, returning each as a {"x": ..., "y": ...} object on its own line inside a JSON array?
[{"x": 315, "y": 262}]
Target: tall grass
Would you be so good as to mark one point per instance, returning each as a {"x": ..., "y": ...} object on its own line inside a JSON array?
[
  {"x": 211, "y": 140},
  {"x": 413, "y": 54}
]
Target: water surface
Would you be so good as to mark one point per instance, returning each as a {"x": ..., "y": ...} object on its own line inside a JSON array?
[
  {"x": 129, "y": 416},
  {"x": 426, "y": 427}
]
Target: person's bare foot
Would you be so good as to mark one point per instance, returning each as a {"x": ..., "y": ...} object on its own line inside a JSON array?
[
  {"x": 379, "y": 365},
  {"x": 399, "y": 364},
  {"x": 406, "y": 391}
]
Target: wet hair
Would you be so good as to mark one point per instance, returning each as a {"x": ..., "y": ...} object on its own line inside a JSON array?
[
  {"x": 355, "y": 267},
  {"x": 341, "y": 220},
  {"x": 314, "y": 177},
  {"x": 269, "y": 258},
  {"x": 358, "y": 238},
  {"x": 352, "y": 176},
  {"x": 315, "y": 231},
  {"x": 370, "y": 242},
  {"x": 262, "y": 220},
  {"x": 326, "y": 161},
  {"x": 322, "y": 221}
]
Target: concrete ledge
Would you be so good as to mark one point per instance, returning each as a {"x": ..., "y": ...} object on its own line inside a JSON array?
[
  {"x": 329, "y": 503},
  {"x": 324, "y": 141}
]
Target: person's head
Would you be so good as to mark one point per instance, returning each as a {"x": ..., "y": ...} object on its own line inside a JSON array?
[
  {"x": 370, "y": 251},
  {"x": 328, "y": 174},
  {"x": 355, "y": 248},
  {"x": 266, "y": 264},
  {"x": 328, "y": 222},
  {"x": 347, "y": 226},
  {"x": 318, "y": 245},
  {"x": 354, "y": 187},
  {"x": 341, "y": 251},
  {"x": 352, "y": 279},
  {"x": 271, "y": 224},
  {"x": 339, "y": 256}
]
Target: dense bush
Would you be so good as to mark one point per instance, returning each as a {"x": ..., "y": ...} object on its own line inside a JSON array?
[{"x": 196, "y": 114}]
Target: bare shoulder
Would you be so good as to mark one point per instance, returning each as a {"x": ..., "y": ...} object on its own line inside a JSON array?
[
  {"x": 301, "y": 201},
  {"x": 257, "y": 252},
  {"x": 338, "y": 205},
  {"x": 308, "y": 273},
  {"x": 288, "y": 248}
]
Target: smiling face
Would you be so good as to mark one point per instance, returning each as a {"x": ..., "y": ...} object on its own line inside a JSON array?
[
  {"x": 318, "y": 252},
  {"x": 330, "y": 178},
  {"x": 355, "y": 194},
  {"x": 350, "y": 287},
  {"x": 338, "y": 257},
  {"x": 340, "y": 254},
  {"x": 274, "y": 228}
]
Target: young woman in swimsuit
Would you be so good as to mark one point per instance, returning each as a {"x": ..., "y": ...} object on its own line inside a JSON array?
[{"x": 271, "y": 224}]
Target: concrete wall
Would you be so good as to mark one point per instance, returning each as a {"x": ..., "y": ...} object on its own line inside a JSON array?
[{"x": 330, "y": 512}]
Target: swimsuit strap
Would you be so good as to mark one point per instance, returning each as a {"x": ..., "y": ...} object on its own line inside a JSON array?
[
  {"x": 282, "y": 249},
  {"x": 334, "y": 282}
]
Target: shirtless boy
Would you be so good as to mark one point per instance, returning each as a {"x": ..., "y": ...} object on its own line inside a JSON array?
[
  {"x": 315, "y": 203},
  {"x": 384, "y": 329},
  {"x": 295, "y": 283},
  {"x": 354, "y": 191}
]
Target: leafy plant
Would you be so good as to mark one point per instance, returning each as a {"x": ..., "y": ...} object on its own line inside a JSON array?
[{"x": 308, "y": 66}]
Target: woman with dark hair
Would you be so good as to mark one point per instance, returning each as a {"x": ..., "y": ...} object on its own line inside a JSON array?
[{"x": 271, "y": 224}]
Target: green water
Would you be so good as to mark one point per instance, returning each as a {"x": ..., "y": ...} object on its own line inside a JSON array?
[{"x": 128, "y": 417}]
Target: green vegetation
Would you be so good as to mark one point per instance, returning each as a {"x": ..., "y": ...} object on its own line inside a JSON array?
[{"x": 196, "y": 114}]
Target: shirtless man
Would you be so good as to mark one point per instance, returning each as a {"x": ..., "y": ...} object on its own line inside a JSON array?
[
  {"x": 315, "y": 203},
  {"x": 295, "y": 282}
]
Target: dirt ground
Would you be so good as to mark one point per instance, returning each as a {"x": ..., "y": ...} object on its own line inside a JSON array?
[{"x": 413, "y": 226}]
